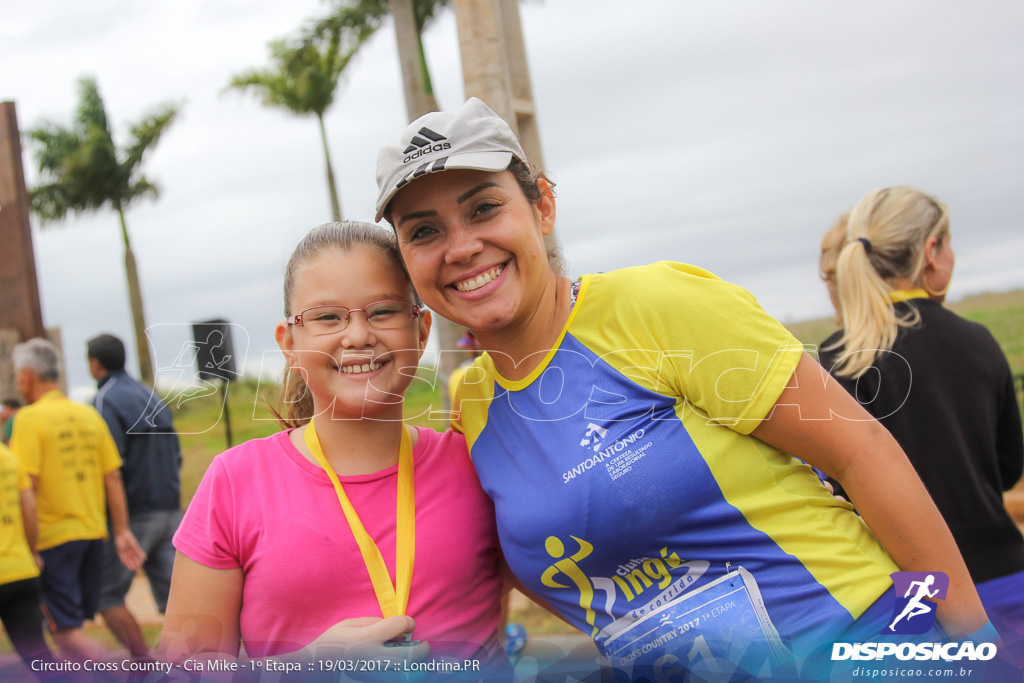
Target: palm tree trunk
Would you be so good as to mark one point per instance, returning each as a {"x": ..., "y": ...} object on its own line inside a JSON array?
[
  {"x": 419, "y": 96},
  {"x": 428, "y": 86},
  {"x": 335, "y": 204},
  {"x": 135, "y": 299}
]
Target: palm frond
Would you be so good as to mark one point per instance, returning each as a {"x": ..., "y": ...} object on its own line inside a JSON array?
[
  {"x": 91, "y": 111},
  {"x": 142, "y": 187},
  {"x": 147, "y": 132},
  {"x": 350, "y": 18},
  {"x": 50, "y": 203}
]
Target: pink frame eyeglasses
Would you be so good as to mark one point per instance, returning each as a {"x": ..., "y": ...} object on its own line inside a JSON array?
[{"x": 328, "y": 319}]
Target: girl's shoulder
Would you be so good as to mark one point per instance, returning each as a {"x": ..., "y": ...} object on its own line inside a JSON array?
[
  {"x": 264, "y": 450},
  {"x": 432, "y": 442}
]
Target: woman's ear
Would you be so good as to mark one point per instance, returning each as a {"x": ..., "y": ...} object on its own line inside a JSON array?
[
  {"x": 424, "y": 331},
  {"x": 932, "y": 246},
  {"x": 546, "y": 206}
]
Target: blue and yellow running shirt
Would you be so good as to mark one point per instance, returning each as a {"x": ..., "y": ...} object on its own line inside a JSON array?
[{"x": 624, "y": 475}]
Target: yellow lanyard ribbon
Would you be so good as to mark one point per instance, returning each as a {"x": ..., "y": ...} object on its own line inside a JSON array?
[
  {"x": 898, "y": 295},
  {"x": 393, "y": 599}
]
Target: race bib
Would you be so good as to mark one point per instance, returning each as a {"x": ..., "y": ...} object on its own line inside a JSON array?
[{"x": 723, "y": 628}]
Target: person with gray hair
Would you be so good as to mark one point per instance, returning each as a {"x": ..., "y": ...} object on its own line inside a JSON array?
[{"x": 74, "y": 468}]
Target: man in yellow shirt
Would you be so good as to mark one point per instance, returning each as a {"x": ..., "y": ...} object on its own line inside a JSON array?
[
  {"x": 74, "y": 467},
  {"x": 19, "y": 566}
]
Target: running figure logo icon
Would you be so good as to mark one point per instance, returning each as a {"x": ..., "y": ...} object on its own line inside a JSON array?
[
  {"x": 914, "y": 612},
  {"x": 594, "y": 436}
]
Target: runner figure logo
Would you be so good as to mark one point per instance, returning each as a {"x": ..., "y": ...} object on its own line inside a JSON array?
[
  {"x": 914, "y": 612},
  {"x": 594, "y": 436}
]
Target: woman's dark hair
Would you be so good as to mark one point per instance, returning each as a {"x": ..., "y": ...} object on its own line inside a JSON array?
[{"x": 527, "y": 177}]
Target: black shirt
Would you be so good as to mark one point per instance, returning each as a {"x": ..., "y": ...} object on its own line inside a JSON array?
[{"x": 946, "y": 393}]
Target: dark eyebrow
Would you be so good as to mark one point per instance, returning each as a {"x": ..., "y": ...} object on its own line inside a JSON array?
[
  {"x": 481, "y": 186},
  {"x": 416, "y": 214}
]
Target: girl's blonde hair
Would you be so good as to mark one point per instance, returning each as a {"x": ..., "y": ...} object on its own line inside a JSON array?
[
  {"x": 885, "y": 236},
  {"x": 295, "y": 399}
]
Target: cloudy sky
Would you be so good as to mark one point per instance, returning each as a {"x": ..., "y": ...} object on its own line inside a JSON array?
[{"x": 727, "y": 134}]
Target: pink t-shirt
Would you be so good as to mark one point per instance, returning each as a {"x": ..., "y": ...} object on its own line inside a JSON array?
[{"x": 266, "y": 509}]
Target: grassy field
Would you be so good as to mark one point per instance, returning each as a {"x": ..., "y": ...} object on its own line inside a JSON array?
[{"x": 1002, "y": 314}]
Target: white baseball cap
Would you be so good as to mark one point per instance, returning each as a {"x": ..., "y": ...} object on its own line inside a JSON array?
[{"x": 471, "y": 137}]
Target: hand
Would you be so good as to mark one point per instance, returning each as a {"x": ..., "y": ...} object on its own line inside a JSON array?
[
  {"x": 129, "y": 551},
  {"x": 364, "y": 637},
  {"x": 39, "y": 560}
]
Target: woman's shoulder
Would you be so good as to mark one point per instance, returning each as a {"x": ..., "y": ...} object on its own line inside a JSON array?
[
  {"x": 666, "y": 287},
  {"x": 653, "y": 274},
  {"x": 935, "y": 319}
]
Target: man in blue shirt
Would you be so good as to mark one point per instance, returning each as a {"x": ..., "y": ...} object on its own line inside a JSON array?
[{"x": 144, "y": 433}]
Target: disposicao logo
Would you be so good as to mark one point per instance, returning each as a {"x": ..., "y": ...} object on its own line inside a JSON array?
[{"x": 914, "y": 612}]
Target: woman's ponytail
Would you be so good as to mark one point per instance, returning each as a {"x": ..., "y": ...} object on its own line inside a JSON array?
[{"x": 885, "y": 237}]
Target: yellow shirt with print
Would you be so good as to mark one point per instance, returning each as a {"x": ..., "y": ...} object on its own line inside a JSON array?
[
  {"x": 68, "y": 447},
  {"x": 16, "y": 561}
]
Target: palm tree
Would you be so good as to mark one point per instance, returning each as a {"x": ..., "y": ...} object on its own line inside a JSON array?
[
  {"x": 412, "y": 17},
  {"x": 82, "y": 170},
  {"x": 303, "y": 79}
]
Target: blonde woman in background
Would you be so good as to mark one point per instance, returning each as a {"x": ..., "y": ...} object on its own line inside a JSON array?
[
  {"x": 938, "y": 382},
  {"x": 831, "y": 244}
]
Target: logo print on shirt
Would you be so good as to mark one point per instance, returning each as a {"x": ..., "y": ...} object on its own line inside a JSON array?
[
  {"x": 568, "y": 567},
  {"x": 914, "y": 613},
  {"x": 595, "y": 434}
]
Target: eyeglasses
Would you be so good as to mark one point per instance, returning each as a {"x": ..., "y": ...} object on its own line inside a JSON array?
[{"x": 382, "y": 315}]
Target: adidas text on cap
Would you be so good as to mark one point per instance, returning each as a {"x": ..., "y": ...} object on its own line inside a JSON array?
[{"x": 471, "y": 137}]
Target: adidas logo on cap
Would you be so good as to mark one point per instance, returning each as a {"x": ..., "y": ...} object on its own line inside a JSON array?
[{"x": 429, "y": 142}]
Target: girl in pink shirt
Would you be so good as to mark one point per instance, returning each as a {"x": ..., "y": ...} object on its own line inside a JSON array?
[{"x": 268, "y": 556}]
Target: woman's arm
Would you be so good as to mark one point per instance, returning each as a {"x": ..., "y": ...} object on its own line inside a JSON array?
[
  {"x": 1009, "y": 448},
  {"x": 818, "y": 422},
  {"x": 30, "y": 522}
]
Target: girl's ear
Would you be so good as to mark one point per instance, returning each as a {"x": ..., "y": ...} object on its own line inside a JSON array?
[
  {"x": 546, "y": 206},
  {"x": 424, "y": 330},
  {"x": 283, "y": 335}
]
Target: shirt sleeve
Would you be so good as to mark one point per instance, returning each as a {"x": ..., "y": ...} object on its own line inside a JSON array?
[
  {"x": 207, "y": 531},
  {"x": 26, "y": 443},
  {"x": 721, "y": 352}
]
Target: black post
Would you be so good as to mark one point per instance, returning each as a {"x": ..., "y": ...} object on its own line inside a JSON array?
[
  {"x": 215, "y": 357},
  {"x": 224, "y": 386}
]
